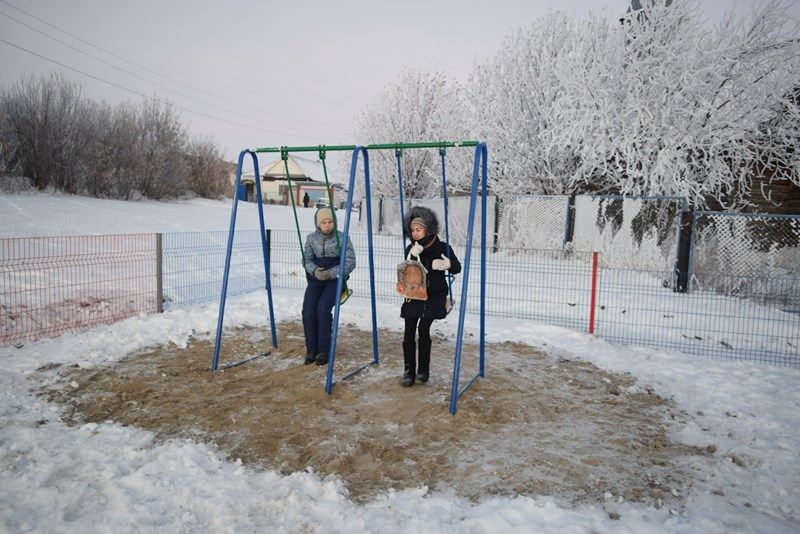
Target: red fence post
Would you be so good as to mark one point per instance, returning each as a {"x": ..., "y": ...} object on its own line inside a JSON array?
[{"x": 594, "y": 293}]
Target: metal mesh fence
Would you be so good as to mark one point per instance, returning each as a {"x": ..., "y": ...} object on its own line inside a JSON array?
[
  {"x": 52, "y": 285},
  {"x": 632, "y": 309},
  {"x": 194, "y": 263},
  {"x": 550, "y": 286},
  {"x": 633, "y": 233},
  {"x": 753, "y": 249},
  {"x": 387, "y": 220},
  {"x": 555, "y": 286},
  {"x": 634, "y": 306}
]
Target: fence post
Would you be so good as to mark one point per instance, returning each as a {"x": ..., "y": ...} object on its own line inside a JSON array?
[
  {"x": 496, "y": 247},
  {"x": 569, "y": 222},
  {"x": 380, "y": 215},
  {"x": 159, "y": 275},
  {"x": 269, "y": 252},
  {"x": 593, "y": 299},
  {"x": 682, "y": 262}
]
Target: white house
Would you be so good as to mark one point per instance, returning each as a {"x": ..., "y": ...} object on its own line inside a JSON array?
[{"x": 307, "y": 176}]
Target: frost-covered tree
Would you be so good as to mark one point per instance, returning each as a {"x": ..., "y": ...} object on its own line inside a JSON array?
[
  {"x": 659, "y": 104},
  {"x": 114, "y": 164},
  {"x": 159, "y": 143},
  {"x": 207, "y": 174},
  {"x": 419, "y": 106},
  {"x": 528, "y": 100},
  {"x": 46, "y": 120},
  {"x": 9, "y": 152},
  {"x": 778, "y": 145},
  {"x": 691, "y": 111},
  {"x": 54, "y": 137}
]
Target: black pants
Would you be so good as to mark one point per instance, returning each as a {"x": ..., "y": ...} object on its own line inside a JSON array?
[{"x": 410, "y": 346}]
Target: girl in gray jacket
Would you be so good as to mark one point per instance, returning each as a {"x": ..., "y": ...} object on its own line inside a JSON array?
[{"x": 322, "y": 271}]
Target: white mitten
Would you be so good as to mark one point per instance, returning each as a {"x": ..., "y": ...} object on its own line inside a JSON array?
[
  {"x": 441, "y": 265},
  {"x": 416, "y": 250}
]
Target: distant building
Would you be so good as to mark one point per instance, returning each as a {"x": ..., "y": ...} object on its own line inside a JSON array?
[{"x": 307, "y": 176}]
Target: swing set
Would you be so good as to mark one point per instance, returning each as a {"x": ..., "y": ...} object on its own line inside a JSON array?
[{"x": 479, "y": 177}]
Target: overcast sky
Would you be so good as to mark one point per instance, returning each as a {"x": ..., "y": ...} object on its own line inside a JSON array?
[{"x": 286, "y": 72}]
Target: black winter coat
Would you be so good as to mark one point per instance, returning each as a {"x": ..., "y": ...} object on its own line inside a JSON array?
[{"x": 434, "y": 307}]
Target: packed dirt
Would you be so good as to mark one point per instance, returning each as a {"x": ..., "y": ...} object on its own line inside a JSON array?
[{"x": 537, "y": 424}]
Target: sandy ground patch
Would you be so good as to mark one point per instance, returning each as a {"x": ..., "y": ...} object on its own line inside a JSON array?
[{"x": 537, "y": 424}]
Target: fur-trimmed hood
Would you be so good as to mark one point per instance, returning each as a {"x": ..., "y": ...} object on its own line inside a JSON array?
[{"x": 430, "y": 218}]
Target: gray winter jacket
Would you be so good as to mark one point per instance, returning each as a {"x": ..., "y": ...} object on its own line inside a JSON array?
[{"x": 322, "y": 251}]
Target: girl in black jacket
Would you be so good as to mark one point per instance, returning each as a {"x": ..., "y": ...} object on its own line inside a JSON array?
[{"x": 422, "y": 226}]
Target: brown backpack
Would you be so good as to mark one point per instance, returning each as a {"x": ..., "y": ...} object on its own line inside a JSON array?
[{"x": 412, "y": 279}]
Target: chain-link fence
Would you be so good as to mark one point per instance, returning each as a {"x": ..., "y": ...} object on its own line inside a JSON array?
[
  {"x": 745, "y": 301},
  {"x": 532, "y": 222},
  {"x": 753, "y": 250},
  {"x": 629, "y": 232},
  {"x": 387, "y": 220}
]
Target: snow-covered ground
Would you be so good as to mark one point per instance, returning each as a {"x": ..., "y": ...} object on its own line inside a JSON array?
[
  {"x": 112, "y": 478},
  {"x": 38, "y": 214}
]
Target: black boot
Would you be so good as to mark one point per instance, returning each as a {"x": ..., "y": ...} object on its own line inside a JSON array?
[
  {"x": 322, "y": 358},
  {"x": 423, "y": 370},
  {"x": 310, "y": 358},
  {"x": 409, "y": 363},
  {"x": 408, "y": 379}
]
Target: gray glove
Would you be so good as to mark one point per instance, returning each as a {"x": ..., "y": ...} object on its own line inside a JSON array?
[{"x": 322, "y": 274}]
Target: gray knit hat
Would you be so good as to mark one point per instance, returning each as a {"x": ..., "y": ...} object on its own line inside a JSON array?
[
  {"x": 418, "y": 221},
  {"x": 321, "y": 215}
]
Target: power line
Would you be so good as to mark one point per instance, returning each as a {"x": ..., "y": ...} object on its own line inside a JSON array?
[
  {"x": 101, "y": 60},
  {"x": 167, "y": 77},
  {"x": 163, "y": 102}
]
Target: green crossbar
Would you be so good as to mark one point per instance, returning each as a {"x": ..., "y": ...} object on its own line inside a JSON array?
[{"x": 378, "y": 146}]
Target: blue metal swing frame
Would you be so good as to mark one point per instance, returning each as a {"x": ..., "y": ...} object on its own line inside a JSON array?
[
  {"x": 228, "y": 251},
  {"x": 479, "y": 178}
]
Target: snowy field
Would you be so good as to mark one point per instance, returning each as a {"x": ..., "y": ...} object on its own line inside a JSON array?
[{"x": 110, "y": 478}]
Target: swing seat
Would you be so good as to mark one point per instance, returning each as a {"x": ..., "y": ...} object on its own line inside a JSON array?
[
  {"x": 346, "y": 293},
  {"x": 448, "y": 302}
]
